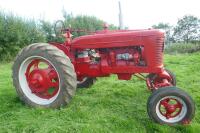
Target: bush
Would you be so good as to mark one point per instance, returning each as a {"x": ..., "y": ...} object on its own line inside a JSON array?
[
  {"x": 80, "y": 22},
  {"x": 15, "y": 33},
  {"x": 182, "y": 48},
  {"x": 88, "y": 23}
]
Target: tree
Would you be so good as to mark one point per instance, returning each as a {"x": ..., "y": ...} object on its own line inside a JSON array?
[
  {"x": 49, "y": 33},
  {"x": 84, "y": 22},
  {"x": 80, "y": 22},
  {"x": 15, "y": 33},
  {"x": 187, "y": 29},
  {"x": 168, "y": 30}
]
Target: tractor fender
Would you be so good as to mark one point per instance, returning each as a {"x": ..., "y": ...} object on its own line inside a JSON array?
[{"x": 62, "y": 47}]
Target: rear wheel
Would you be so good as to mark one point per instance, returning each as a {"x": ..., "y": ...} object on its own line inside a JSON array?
[
  {"x": 44, "y": 76},
  {"x": 170, "y": 105},
  {"x": 86, "y": 82}
]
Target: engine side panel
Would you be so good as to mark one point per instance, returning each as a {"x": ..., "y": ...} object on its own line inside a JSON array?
[{"x": 121, "y": 53}]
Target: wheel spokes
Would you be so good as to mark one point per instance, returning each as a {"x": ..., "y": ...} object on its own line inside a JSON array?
[
  {"x": 178, "y": 105},
  {"x": 54, "y": 84},
  {"x": 165, "y": 102},
  {"x": 36, "y": 64},
  {"x": 43, "y": 72},
  {"x": 171, "y": 109}
]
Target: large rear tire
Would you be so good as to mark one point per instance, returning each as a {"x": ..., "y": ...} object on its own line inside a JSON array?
[{"x": 33, "y": 84}]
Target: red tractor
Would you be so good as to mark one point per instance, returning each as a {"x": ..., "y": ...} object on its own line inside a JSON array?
[{"x": 47, "y": 74}]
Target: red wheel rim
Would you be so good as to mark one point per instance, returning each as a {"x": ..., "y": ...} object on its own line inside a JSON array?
[
  {"x": 170, "y": 107},
  {"x": 42, "y": 79}
]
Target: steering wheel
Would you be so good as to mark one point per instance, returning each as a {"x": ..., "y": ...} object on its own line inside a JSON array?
[{"x": 59, "y": 27}]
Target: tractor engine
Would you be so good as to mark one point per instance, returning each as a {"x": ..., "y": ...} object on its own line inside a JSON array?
[
  {"x": 98, "y": 61},
  {"x": 129, "y": 56},
  {"x": 117, "y": 56},
  {"x": 89, "y": 55}
]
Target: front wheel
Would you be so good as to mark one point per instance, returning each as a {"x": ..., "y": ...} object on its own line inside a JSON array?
[
  {"x": 170, "y": 105},
  {"x": 86, "y": 82},
  {"x": 44, "y": 76}
]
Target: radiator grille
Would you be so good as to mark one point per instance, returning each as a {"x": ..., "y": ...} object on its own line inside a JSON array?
[{"x": 159, "y": 47}]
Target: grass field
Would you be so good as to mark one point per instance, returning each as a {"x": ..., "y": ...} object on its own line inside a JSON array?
[{"x": 110, "y": 105}]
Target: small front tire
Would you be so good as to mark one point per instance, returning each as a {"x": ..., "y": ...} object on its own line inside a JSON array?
[{"x": 170, "y": 105}]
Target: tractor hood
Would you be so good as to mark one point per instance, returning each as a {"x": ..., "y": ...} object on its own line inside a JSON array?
[{"x": 119, "y": 38}]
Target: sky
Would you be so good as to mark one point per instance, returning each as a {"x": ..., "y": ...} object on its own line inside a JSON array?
[{"x": 137, "y": 14}]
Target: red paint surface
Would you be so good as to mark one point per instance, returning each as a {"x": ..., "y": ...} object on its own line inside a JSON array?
[{"x": 144, "y": 46}]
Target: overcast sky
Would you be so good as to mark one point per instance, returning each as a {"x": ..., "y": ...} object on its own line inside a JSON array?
[{"x": 136, "y": 13}]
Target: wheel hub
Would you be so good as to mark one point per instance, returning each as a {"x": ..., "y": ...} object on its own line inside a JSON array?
[
  {"x": 43, "y": 82},
  {"x": 170, "y": 107},
  {"x": 38, "y": 80}
]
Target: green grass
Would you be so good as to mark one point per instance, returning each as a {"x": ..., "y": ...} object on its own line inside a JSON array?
[{"x": 110, "y": 105}]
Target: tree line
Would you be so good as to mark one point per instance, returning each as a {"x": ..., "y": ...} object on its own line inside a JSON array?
[
  {"x": 187, "y": 30},
  {"x": 17, "y": 32}
]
